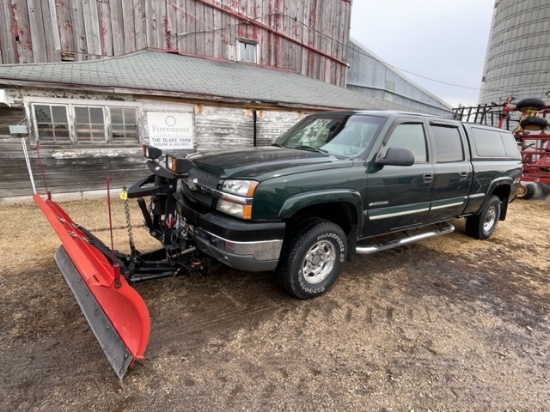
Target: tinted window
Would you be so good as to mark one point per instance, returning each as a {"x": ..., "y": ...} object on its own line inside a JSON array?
[
  {"x": 410, "y": 136},
  {"x": 447, "y": 144},
  {"x": 488, "y": 143},
  {"x": 510, "y": 145}
]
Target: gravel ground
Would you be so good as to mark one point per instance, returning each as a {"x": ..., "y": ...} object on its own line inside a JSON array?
[{"x": 445, "y": 324}]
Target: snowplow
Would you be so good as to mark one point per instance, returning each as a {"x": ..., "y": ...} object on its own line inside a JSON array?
[{"x": 101, "y": 277}]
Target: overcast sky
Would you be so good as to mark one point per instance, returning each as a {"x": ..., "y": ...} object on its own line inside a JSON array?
[{"x": 444, "y": 40}]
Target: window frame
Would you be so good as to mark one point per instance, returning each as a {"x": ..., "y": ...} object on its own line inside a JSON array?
[
  {"x": 433, "y": 128},
  {"x": 248, "y": 42},
  {"x": 70, "y": 106},
  {"x": 424, "y": 131}
]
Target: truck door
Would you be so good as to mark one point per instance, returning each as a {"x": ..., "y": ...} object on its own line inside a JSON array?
[
  {"x": 452, "y": 170},
  {"x": 399, "y": 196}
]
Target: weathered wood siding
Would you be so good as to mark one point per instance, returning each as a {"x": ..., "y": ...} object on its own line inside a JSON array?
[
  {"x": 309, "y": 37},
  {"x": 84, "y": 168},
  {"x": 221, "y": 128},
  {"x": 66, "y": 169}
]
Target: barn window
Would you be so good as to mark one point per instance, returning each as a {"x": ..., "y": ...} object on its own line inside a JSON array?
[
  {"x": 82, "y": 124},
  {"x": 124, "y": 125},
  {"x": 247, "y": 51},
  {"x": 52, "y": 123},
  {"x": 89, "y": 124}
]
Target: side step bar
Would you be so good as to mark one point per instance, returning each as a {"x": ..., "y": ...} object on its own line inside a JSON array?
[{"x": 367, "y": 250}]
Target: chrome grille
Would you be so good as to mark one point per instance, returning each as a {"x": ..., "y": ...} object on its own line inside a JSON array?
[{"x": 203, "y": 178}]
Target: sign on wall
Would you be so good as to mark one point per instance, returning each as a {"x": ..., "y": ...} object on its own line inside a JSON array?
[{"x": 170, "y": 130}]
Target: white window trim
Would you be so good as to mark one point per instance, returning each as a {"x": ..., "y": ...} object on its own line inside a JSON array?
[
  {"x": 252, "y": 43},
  {"x": 70, "y": 105}
]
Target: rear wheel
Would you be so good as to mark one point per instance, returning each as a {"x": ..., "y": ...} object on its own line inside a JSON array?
[
  {"x": 483, "y": 225},
  {"x": 312, "y": 259}
]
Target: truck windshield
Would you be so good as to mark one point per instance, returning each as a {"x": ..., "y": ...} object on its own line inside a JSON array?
[{"x": 343, "y": 135}]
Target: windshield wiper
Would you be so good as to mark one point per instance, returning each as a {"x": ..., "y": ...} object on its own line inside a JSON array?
[{"x": 311, "y": 149}]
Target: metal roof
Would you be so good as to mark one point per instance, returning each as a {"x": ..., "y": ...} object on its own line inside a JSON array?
[{"x": 154, "y": 72}]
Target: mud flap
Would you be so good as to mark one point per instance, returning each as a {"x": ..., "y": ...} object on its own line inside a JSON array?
[{"x": 115, "y": 312}]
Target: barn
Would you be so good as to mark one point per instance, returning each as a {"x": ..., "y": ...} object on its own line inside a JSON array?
[{"x": 87, "y": 83}]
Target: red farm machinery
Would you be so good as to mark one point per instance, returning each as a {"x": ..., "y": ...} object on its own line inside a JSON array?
[{"x": 528, "y": 121}]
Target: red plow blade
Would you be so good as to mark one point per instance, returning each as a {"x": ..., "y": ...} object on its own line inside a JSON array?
[{"x": 115, "y": 312}]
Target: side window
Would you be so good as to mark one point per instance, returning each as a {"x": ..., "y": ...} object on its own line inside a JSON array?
[
  {"x": 410, "y": 136},
  {"x": 488, "y": 143},
  {"x": 90, "y": 124},
  {"x": 52, "y": 123},
  {"x": 68, "y": 124},
  {"x": 124, "y": 125},
  {"x": 447, "y": 144},
  {"x": 510, "y": 145}
]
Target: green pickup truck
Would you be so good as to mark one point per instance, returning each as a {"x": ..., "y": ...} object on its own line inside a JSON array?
[{"x": 333, "y": 186}]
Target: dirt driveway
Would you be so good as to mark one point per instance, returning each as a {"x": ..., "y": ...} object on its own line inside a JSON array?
[{"x": 449, "y": 323}]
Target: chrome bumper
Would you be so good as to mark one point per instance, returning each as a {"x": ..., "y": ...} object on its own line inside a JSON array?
[{"x": 255, "y": 256}]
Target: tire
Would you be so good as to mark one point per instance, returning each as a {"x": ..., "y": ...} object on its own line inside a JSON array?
[
  {"x": 312, "y": 259},
  {"x": 544, "y": 189},
  {"x": 530, "y": 191},
  {"x": 483, "y": 225},
  {"x": 522, "y": 191},
  {"x": 534, "y": 123},
  {"x": 529, "y": 105}
]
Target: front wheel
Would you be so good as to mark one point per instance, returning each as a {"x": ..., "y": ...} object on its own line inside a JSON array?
[
  {"x": 483, "y": 225},
  {"x": 312, "y": 259}
]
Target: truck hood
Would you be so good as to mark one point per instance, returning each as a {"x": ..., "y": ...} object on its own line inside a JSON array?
[{"x": 261, "y": 163}]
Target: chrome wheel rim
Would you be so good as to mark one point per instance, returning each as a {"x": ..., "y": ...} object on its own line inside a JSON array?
[
  {"x": 319, "y": 262},
  {"x": 490, "y": 218}
]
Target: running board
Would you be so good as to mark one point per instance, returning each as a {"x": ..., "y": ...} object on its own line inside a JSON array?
[{"x": 367, "y": 250}]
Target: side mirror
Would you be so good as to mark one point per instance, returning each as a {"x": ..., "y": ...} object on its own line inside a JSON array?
[{"x": 397, "y": 156}]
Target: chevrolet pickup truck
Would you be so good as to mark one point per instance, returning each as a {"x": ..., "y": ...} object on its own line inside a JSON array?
[
  {"x": 337, "y": 184},
  {"x": 332, "y": 187}
]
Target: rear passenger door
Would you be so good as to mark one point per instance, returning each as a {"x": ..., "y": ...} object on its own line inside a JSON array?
[{"x": 452, "y": 170}]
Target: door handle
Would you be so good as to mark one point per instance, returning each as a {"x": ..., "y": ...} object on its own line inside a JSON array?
[
  {"x": 428, "y": 177},
  {"x": 462, "y": 176}
]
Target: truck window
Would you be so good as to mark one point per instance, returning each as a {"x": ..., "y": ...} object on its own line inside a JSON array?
[
  {"x": 488, "y": 143},
  {"x": 447, "y": 144},
  {"x": 510, "y": 145},
  {"x": 410, "y": 136}
]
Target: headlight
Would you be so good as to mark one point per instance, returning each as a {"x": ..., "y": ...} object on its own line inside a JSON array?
[
  {"x": 236, "y": 198},
  {"x": 234, "y": 209},
  {"x": 239, "y": 187}
]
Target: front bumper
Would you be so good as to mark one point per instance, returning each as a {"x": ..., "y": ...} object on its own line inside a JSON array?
[{"x": 248, "y": 246}]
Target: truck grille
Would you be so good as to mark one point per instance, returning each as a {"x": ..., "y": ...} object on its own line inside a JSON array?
[{"x": 203, "y": 178}]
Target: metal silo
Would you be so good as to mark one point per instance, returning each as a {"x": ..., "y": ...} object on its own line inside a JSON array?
[{"x": 518, "y": 53}]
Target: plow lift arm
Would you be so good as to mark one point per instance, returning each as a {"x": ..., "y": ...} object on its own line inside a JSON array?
[{"x": 100, "y": 277}]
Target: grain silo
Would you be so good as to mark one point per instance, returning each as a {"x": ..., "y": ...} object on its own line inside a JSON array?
[{"x": 518, "y": 52}]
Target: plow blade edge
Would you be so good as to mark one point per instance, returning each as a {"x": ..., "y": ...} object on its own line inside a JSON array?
[{"x": 115, "y": 312}]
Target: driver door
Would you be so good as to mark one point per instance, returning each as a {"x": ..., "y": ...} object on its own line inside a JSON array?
[{"x": 399, "y": 196}]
